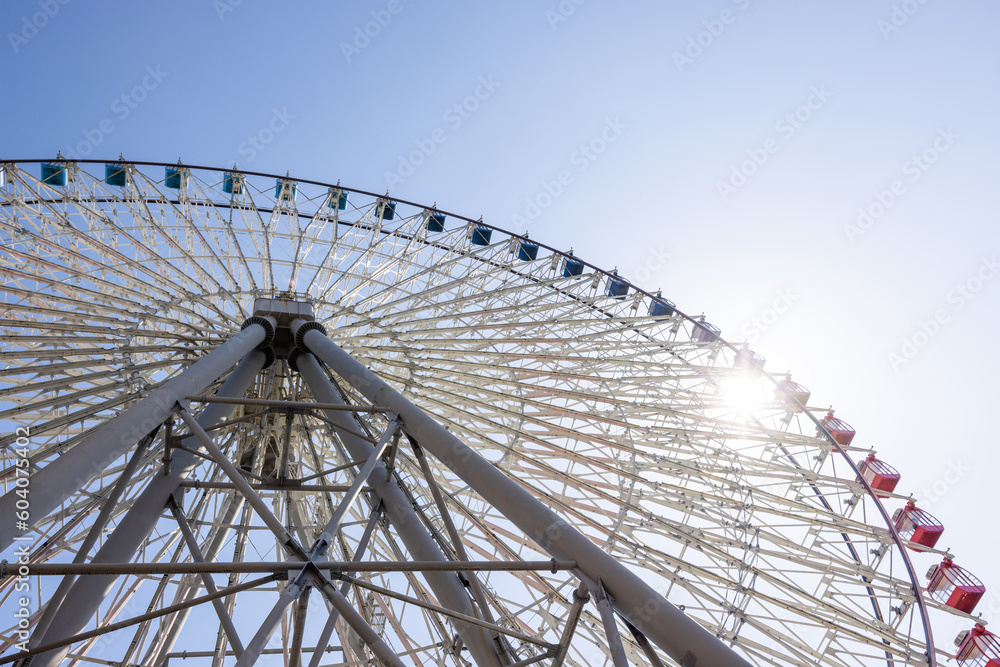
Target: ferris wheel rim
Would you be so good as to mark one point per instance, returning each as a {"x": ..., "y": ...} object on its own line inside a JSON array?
[{"x": 734, "y": 348}]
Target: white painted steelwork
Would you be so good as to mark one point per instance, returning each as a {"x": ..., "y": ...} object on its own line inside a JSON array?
[{"x": 616, "y": 420}]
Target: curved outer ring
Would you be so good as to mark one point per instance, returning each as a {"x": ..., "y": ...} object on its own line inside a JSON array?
[{"x": 918, "y": 592}]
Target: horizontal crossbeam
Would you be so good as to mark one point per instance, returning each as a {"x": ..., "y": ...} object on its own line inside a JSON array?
[{"x": 278, "y": 567}]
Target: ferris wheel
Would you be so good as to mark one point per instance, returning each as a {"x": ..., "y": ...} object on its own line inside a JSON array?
[{"x": 255, "y": 419}]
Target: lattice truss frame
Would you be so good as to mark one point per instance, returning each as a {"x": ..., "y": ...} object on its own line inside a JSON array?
[{"x": 752, "y": 522}]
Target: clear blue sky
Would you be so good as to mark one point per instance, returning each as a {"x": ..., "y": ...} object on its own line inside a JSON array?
[{"x": 720, "y": 150}]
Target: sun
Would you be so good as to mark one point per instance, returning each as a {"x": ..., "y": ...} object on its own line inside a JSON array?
[{"x": 742, "y": 392}]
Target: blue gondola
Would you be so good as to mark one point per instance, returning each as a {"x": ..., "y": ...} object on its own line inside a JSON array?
[
  {"x": 481, "y": 236},
  {"x": 527, "y": 251},
  {"x": 338, "y": 199},
  {"x": 386, "y": 209},
  {"x": 435, "y": 222},
  {"x": 54, "y": 174},
  {"x": 114, "y": 174},
  {"x": 705, "y": 332},
  {"x": 172, "y": 178},
  {"x": 660, "y": 307},
  {"x": 284, "y": 189},
  {"x": 571, "y": 267},
  {"x": 232, "y": 183},
  {"x": 617, "y": 288},
  {"x": 748, "y": 360}
]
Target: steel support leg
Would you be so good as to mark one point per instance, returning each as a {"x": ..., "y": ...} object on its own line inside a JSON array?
[
  {"x": 288, "y": 595},
  {"x": 324, "y": 637},
  {"x": 293, "y": 590},
  {"x": 326, "y": 538},
  {"x": 682, "y": 638},
  {"x": 87, "y": 593},
  {"x": 647, "y": 648},
  {"x": 580, "y": 597},
  {"x": 477, "y": 589},
  {"x": 96, "y": 530},
  {"x": 66, "y": 475},
  {"x": 286, "y": 445},
  {"x": 301, "y": 609},
  {"x": 65, "y": 642},
  {"x": 197, "y": 557},
  {"x": 446, "y": 586},
  {"x": 263, "y": 511},
  {"x": 168, "y": 636},
  {"x": 360, "y": 625},
  {"x": 610, "y": 628}
]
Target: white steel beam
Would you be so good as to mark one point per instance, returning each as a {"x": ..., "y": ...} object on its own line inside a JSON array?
[
  {"x": 87, "y": 593},
  {"x": 66, "y": 475},
  {"x": 446, "y": 586},
  {"x": 679, "y": 636}
]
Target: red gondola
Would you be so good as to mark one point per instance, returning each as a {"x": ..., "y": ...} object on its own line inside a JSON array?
[
  {"x": 979, "y": 648},
  {"x": 841, "y": 431},
  {"x": 955, "y": 587},
  {"x": 881, "y": 476},
  {"x": 792, "y": 395},
  {"x": 917, "y": 526}
]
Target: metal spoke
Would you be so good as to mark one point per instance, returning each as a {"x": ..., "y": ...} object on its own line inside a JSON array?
[{"x": 549, "y": 418}]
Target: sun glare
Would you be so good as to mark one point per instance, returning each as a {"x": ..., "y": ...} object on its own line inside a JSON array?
[{"x": 742, "y": 392}]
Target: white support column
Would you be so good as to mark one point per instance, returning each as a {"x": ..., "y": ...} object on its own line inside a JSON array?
[
  {"x": 326, "y": 538},
  {"x": 610, "y": 627},
  {"x": 66, "y": 475},
  {"x": 360, "y": 625},
  {"x": 173, "y": 624},
  {"x": 681, "y": 637},
  {"x": 96, "y": 530},
  {"x": 288, "y": 595},
  {"x": 456, "y": 540},
  {"x": 289, "y": 543},
  {"x": 446, "y": 585},
  {"x": 324, "y": 637},
  {"x": 87, "y": 593},
  {"x": 580, "y": 597},
  {"x": 232, "y": 634}
]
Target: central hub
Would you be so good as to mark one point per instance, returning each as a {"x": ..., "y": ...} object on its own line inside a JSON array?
[{"x": 284, "y": 312}]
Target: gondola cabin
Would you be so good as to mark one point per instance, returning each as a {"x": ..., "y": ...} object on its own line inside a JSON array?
[
  {"x": 881, "y": 476},
  {"x": 704, "y": 332},
  {"x": 54, "y": 174},
  {"x": 617, "y": 287},
  {"x": 792, "y": 395},
  {"x": 840, "y": 430},
  {"x": 660, "y": 307},
  {"x": 918, "y": 526},
  {"x": 978, "y": 648},
  {"x": 955, "y": 586}
]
